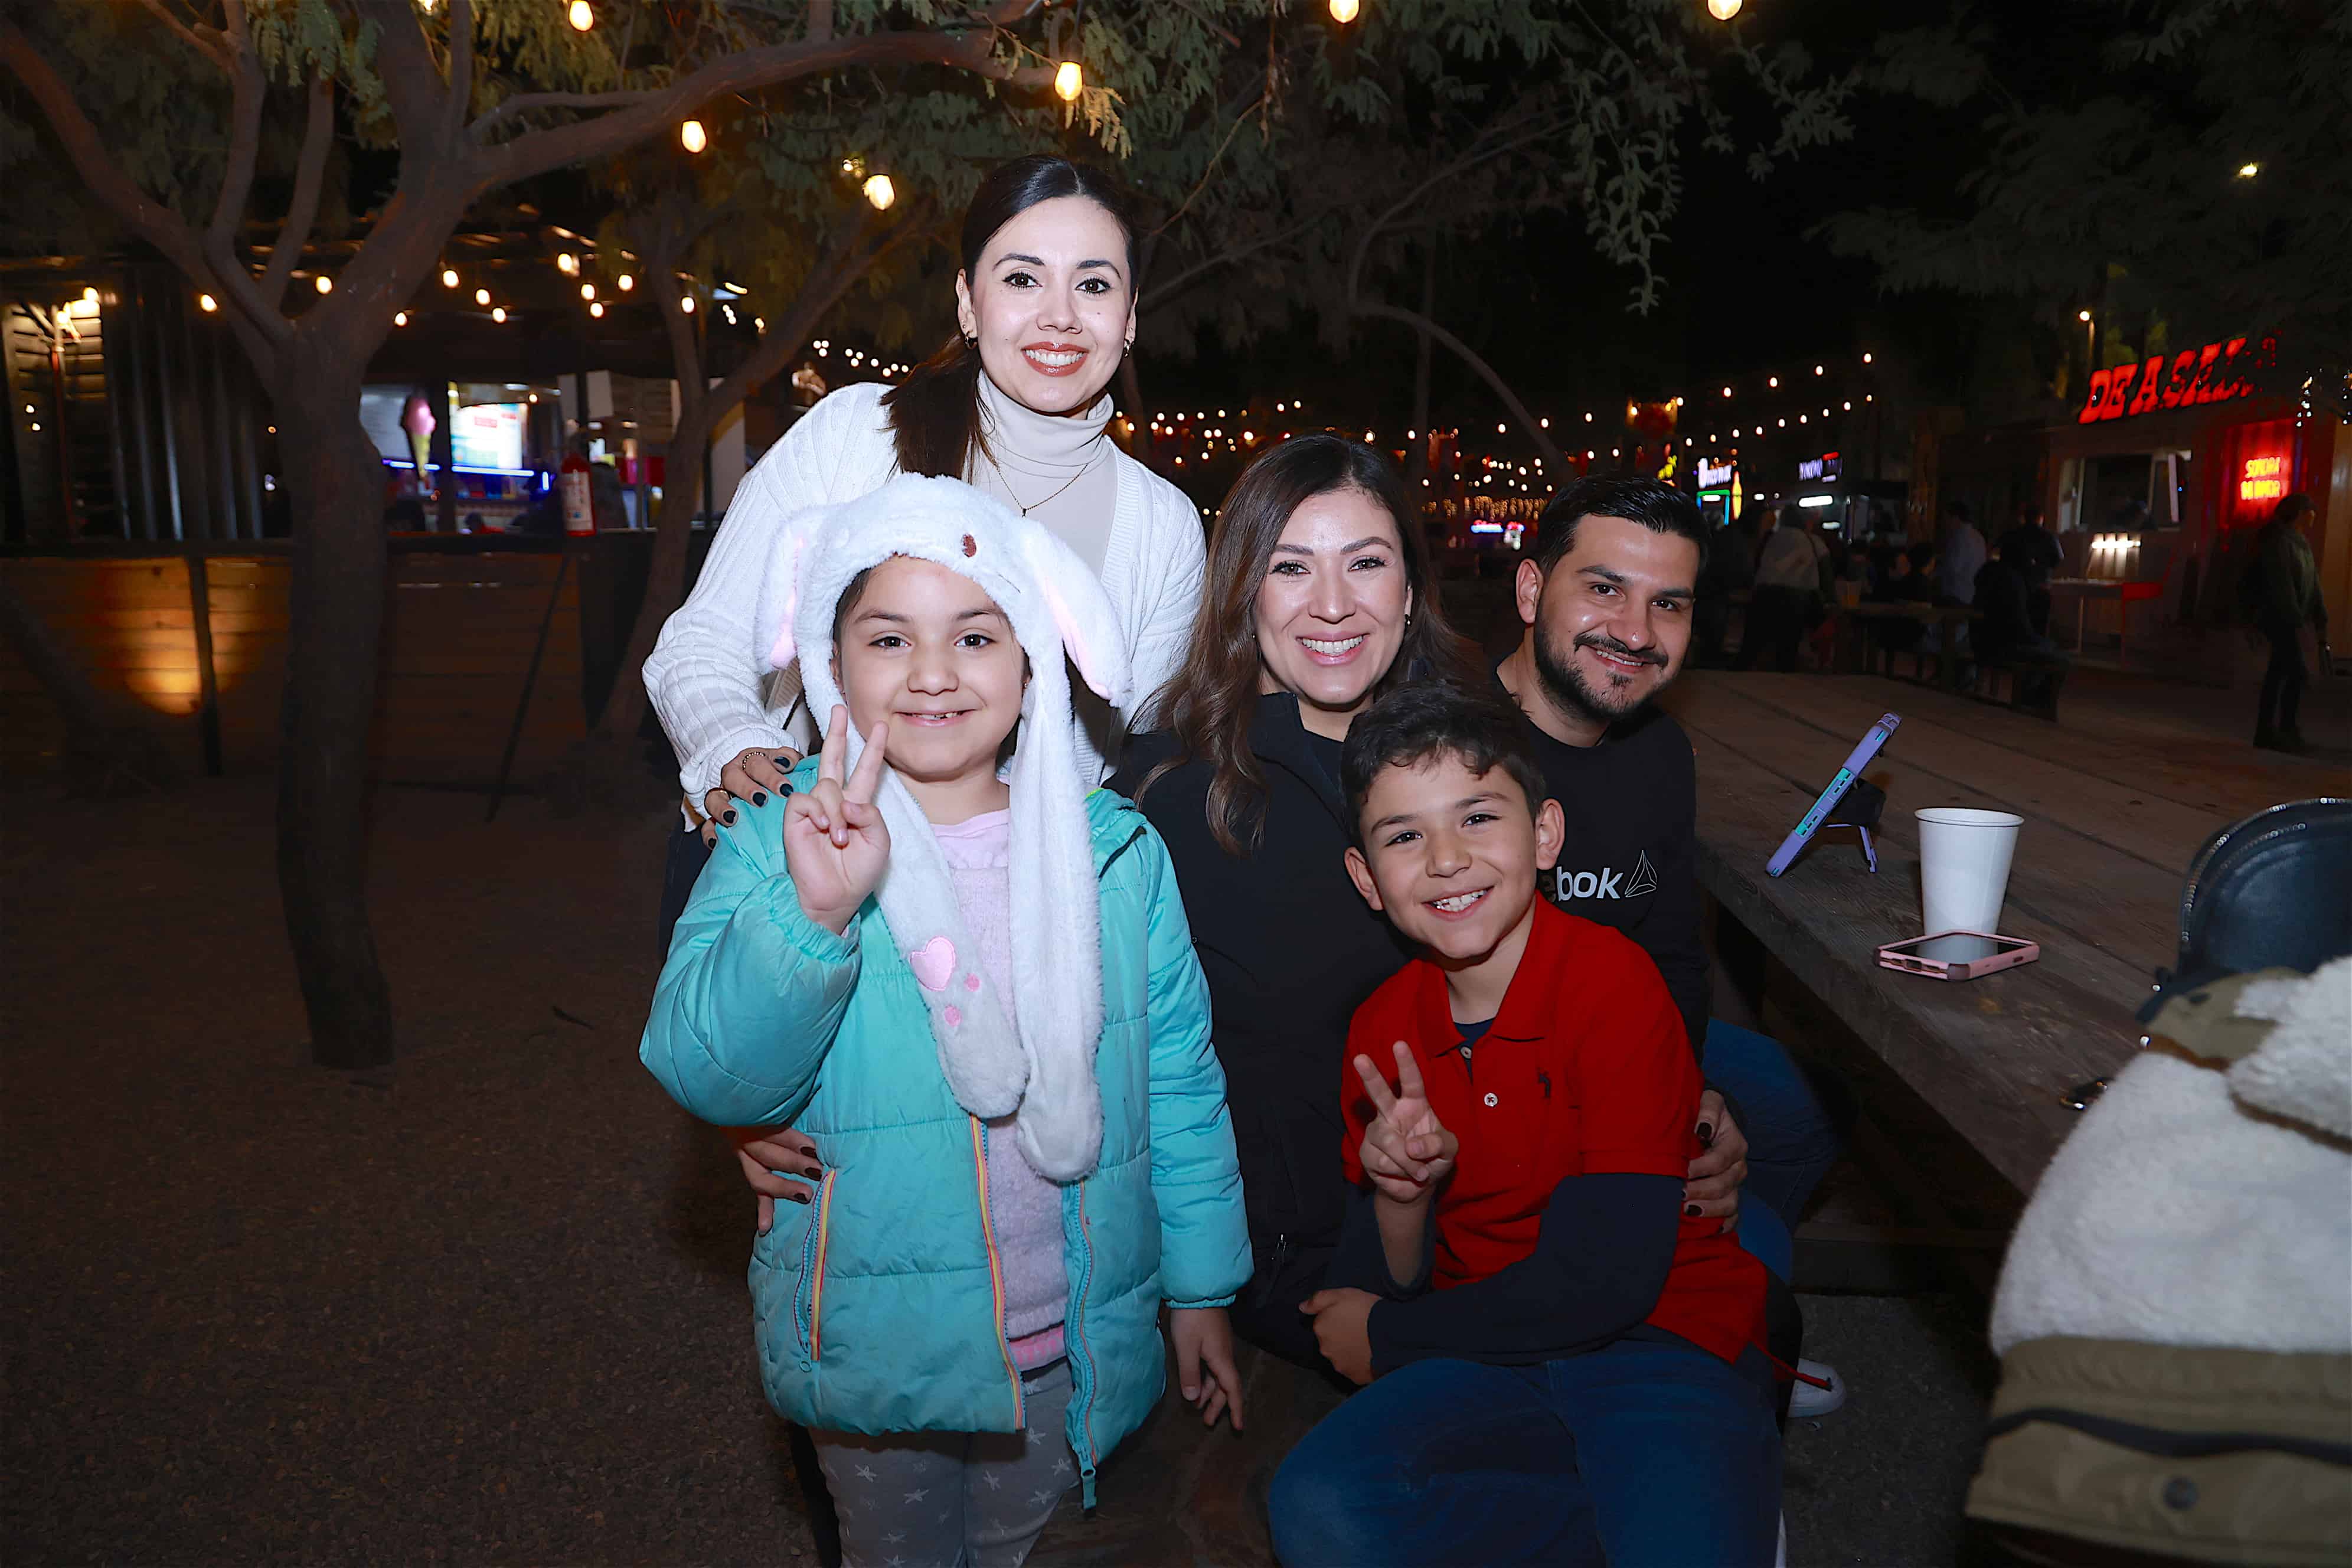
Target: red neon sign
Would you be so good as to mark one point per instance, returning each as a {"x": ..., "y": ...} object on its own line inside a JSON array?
[
  {"x": 2266, "y": 480},
  {"x": 2214, "y": 373}
]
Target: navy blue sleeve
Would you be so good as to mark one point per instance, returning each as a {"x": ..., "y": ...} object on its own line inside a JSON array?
[
  {"x": 1600, "y": 1263},
  {"x": 1361, "y": 1262}
]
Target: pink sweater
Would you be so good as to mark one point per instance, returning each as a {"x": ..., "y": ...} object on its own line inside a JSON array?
[{"x": 1025, "y": 1208}]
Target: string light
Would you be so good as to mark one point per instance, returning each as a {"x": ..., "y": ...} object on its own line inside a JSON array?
[
  {"x": 499, "y": 314},
  {"x": 448, "y": 278},
  {"x": 2248, "y": 171},
  {"x": 626, "y": 281},
  {"x": 690, "y": 136},
  {"x": 481, "y": 296},
  {"x": 1344, "y": 10},
  {"x": 206, "y": 303},
  {"x": 880, "y": 192},
  {"x": 324, "y": 284},
  {"x": 1865, "y": 359},
  {"x": 582, "y": 16},
  {"x": 400, "y": 318},
  {"x": 587, "y": 290},
  {"x": 1068, "y": 80},
  {"x": 686, "y": 303},
  {"x": 1723, "y": 10},
  {"x": 596, "y": 310},
  {"x": 567, "y": 264}
]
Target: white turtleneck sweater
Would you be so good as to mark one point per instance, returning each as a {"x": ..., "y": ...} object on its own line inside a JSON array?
[
  {"x": 1054, "y": 468},
  {"x": 1143, "y": 536}
]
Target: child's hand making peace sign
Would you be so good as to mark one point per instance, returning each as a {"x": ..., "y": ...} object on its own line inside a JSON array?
[
  {"x": 1407, "y": 1151},
  {"x": 835, "y": 842}
]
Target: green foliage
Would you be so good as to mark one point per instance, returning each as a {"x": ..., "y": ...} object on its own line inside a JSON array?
[{"x": 2127, "y": 198}]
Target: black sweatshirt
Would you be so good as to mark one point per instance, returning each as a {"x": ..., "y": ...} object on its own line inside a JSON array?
[
  {"x": 1630, "y": 859},
  {"x": 1600, "y": 1260}
]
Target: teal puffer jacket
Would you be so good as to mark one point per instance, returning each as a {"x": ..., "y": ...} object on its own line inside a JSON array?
[{"x": 879, "y": 1305}]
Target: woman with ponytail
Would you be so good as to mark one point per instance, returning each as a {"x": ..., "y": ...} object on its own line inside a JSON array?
[{"x": 1016, "y": 406}]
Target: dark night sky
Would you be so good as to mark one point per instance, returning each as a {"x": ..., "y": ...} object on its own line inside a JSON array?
[{"x": 1746, "y": 292}]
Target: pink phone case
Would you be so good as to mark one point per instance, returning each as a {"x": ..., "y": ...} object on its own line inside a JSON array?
[{"x": 1956, "y": 969}]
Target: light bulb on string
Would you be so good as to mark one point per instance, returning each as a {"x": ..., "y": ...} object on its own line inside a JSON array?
[
  {"x": 567, "y": 264},
  {"x": 582, "y": 16},
  {"x": 499, "y": 314},
  {"x": 597, "y": 311},
  {"x": 1723, "y": 10},
  {"x": 880, "y": 192},
  {"x": 1069, "y": 81},
  {"x": 206, "y": 303},
  {"x": 587, "y": 290},
  {"x": 686, "y": 303},
  {"x": 692, "y": 137},
  {"x": 324, "y": 284},
  {"x": 1344, "y": 10},
  {"x": 626, "y": 283},
  {"x": 400, "y": 318},
  {"x": 481, "y": 296}
]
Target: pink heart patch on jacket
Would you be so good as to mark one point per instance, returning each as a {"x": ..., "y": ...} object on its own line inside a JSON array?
[{"x": 934, "y": 962}]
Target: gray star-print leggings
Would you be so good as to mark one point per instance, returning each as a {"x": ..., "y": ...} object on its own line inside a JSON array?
[{"x": 952, "y": 1500}]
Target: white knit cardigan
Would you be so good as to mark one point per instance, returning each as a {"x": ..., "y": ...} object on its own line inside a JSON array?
[{"x": 707, "y": 673}]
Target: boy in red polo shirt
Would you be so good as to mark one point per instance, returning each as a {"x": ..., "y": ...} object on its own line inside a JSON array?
[{"x": 1564, "y": 1365}]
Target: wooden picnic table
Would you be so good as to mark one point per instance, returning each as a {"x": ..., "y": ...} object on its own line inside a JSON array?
[{"x": 2111, "y": 820}]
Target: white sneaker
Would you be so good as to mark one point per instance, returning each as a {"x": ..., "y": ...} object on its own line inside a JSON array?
[{"x": 1809, "y": 1400}]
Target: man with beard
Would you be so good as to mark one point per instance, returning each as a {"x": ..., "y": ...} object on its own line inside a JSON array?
[{"x": 1606, "y": 597}]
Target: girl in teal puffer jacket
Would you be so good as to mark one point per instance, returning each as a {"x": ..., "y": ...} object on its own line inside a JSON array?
[{"x": 970, "y": 982}]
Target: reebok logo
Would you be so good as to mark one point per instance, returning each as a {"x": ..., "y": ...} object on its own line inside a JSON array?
[{"x": 1605, "y": 883}]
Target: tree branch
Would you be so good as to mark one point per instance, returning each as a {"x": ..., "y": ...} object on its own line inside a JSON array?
[
  {"x": 1470, "y": 357},
  {"x": 206, "y": 41},
  {"x": 248, "y": 90},
  {"x": 1162, "y": 292},
  {"x": 150, "y": 219},
  {"x": 310, "y": 175},
  {"x": 412, "y": 81},
  {"x": 461, "y": 72},
  {"x": 536, "y": 152}
]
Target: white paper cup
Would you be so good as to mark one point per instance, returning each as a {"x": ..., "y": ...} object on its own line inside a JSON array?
[{"x": 1964, "y": 867}]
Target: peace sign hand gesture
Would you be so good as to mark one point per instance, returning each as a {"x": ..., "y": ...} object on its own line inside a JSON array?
[
  {"x": 835, "y": 842},
  {"x": 1406, "y": 1150}
]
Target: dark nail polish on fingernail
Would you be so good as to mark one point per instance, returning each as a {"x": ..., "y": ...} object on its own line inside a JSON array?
[
  {"x": 1691, "y": 1209},
  {"x": 797, "y": 1197},
  {"x": 1706, "y": 1133},
  {"x": 729, "y": 819},
  {"x": 758, "y": 797},
  {"x": 814, "y": 1172}
]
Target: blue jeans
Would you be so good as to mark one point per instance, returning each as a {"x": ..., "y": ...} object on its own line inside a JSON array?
[
  {"x": 1791, "y": 1144},
  {"x": 1639, "y": 1455}
]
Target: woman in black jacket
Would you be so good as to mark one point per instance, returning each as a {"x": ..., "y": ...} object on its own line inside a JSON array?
[{"x": 1319, "y": 598}]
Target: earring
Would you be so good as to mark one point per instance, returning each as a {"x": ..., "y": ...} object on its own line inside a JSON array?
[{"x": 972, "y": 340}]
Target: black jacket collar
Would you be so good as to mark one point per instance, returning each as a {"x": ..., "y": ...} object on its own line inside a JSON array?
[{"x": 1280, "y": 741}]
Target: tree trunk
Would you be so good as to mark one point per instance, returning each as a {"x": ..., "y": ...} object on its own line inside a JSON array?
[
  {"x": 340, "y": 579},
  {"x": 615, "y": 741},
  {"x": 1416, "y": 463}
]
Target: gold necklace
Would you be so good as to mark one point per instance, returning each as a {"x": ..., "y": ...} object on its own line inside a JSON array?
[{"x": 1006, "y": 478}]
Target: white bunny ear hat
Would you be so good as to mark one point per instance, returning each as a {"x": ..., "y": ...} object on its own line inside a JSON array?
[{"x": 1043, "y": 1068}]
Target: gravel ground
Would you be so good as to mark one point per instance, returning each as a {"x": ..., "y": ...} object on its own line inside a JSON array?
[{"x": 486, "y": 1307}]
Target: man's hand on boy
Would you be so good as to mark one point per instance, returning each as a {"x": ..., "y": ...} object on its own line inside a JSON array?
[
  {"x": 767, "y": 1152},
  {"x": 1204, "y": 1341},
  {"x": 835, "y": 842},
  {"x": 1343, "y": 1328},
  {"x": 1721, "y": 1168},
  {"x": 1406, "y": 1150}
]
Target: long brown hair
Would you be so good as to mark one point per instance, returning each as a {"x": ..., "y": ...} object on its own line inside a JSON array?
[
  {"x": 935, "y": 412},
  {"x": 1213, "y": 697}
]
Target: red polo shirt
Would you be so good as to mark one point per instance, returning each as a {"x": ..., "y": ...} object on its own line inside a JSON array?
[{"x": 1587, "y": 1071}]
